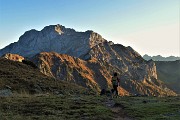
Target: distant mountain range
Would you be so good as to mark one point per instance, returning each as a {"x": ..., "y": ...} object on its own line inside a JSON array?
[
  {"x": 87, "y": 59},
  {"x": 160, "y": 58}
]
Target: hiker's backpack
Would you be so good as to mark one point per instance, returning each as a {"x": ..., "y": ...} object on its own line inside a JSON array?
[{"x": 114, "y": 81}]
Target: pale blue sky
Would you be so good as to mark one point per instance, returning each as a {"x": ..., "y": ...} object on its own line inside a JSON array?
[{"x": 149, "y": 26}]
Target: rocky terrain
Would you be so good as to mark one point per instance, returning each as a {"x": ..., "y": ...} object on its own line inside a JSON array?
[
  {"x": 72, "y": 69},
  {"x": 94, "y": 75},
  {"x": 87, "y": 59}
]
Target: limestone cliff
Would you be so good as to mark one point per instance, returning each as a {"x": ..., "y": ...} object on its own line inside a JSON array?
[{"x": 54, "y": 38}]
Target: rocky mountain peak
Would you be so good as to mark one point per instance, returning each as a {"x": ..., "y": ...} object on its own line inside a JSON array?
[
  {"x": 95, "y": 39},
  {"x": 53, "y": 31},
  {"x": 59, "y": 29},
  {"x": 55, "y": 38}
]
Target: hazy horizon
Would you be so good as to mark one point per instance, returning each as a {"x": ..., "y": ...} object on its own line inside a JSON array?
[{"x": 150, "y": 27}]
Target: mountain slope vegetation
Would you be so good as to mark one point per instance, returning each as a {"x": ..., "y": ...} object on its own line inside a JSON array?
[
  {"x": 169, "y": 72},
  {"x": 20, "y": 77}
]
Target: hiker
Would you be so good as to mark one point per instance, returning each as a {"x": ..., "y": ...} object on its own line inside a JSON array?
[{"x": 115, "y": 83}]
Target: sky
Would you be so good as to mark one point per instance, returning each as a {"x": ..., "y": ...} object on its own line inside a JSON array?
[{"x": 149, "y": 26}]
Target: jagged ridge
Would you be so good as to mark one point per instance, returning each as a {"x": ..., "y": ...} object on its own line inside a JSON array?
[{"x": 55, "y": 38}]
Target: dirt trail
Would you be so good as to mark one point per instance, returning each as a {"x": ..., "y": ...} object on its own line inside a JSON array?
[{"x": 117, "y": 110}]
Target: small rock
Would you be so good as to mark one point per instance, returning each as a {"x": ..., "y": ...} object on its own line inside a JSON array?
[
  {"x": 5, "y": 93},
  {"x": 169, "y": 114},
  {"x": 56, "y": 92},
  {"x": 60, "y": 95}
]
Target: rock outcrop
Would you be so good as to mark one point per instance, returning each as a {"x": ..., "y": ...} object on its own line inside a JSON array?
[
  {"x": 13, "y": 57},
  {"x": 5, "y": 93}
]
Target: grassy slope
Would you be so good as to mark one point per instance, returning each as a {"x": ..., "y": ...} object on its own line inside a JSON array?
[
  {"x": 54, "y": 108},
  {"x": 23, "y": 78},
  {"x": 151, "y": 108},
  {"x": 88, "y": 107}
]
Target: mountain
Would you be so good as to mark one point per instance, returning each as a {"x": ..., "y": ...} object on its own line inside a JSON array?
[
  {"x": 18, "y": 77},
  {"x": 169, "y": 72},
  {"x": 89, "y": 60},
  {"x": 160, "y": 58},
  {"x": 96, "y": 75},
  {"x": 54, "y": 38}
]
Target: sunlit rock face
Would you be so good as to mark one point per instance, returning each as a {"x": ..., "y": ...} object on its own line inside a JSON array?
[
  {"x": 89, "y": 73},
  {"x": 95, "y": 74},
  {"x": 13, "y": 57}
]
